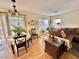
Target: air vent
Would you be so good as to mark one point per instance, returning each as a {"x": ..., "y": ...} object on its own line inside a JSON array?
[{"x": 55, "y": 11}]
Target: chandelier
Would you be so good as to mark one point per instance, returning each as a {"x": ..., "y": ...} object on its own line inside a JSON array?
[{"x": 13, "y": 12}]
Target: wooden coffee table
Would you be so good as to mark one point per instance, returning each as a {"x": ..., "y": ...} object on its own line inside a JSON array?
[{"x": 54, "y": 49}]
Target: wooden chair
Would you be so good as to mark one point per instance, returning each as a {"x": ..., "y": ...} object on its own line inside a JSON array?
[
  {"x": 28, "y": 39},
  {"x": 33, "y": 32},
  {"x": 20, "y": 41}
]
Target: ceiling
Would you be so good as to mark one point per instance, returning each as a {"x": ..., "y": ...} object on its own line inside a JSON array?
[{"x": 44, "y": 7}]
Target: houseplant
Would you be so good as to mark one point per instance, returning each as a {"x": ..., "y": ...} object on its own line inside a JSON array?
[
  {"x": 18, "y": 30},
  {"x": 49, "y": 29}
]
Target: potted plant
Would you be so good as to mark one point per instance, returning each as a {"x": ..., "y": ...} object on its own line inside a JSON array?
[
  {"x": 49, "y": 29},
  {"x": 18, "y": 30}
]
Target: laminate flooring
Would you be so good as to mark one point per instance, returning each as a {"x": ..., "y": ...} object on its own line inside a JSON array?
[{"x": 35, "y": 51}]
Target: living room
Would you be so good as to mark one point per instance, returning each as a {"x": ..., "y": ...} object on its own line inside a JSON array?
[{"x": 50, "y": 29}]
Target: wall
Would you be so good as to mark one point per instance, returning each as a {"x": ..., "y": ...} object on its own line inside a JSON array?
[
  {"x": 69, "y": 20},
  {"x": 28, "y": 17},
  {"x": 35, "y": 17}
]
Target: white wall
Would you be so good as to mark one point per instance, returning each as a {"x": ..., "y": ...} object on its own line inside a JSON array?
[
  {"x": 69, "y": 20},
  {"x": 35, "y": 17},
  {"x": 28, "y": 17}
]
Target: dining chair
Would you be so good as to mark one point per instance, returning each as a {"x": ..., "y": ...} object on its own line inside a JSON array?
[
  {"x": 33, "y": 32},
  {"x": 20, "y": 41},
  {"x": 29, "y": 39}
]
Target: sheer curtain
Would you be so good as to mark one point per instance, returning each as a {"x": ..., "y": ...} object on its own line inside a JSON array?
[
  {"x": 3, "y": 28},
  {"x": 4, "y": 51}
]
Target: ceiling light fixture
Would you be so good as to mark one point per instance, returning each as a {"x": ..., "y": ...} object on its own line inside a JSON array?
[{"x": 13, "y": 12}]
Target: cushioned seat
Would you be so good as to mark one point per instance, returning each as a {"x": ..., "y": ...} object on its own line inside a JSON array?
[{"x": 76, "y": 38}]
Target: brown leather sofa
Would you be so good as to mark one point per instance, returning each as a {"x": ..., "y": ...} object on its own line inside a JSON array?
[{"x": 72, "y": 33}]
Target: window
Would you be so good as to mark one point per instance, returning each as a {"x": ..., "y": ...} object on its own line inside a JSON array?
[
  {"x": 15, "y": 22},
  {"x": 56, "y": 23},
  {"x": 43, "y": 24}
]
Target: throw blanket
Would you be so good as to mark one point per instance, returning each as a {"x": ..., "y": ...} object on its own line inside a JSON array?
[{"x": 67, "y": 42}]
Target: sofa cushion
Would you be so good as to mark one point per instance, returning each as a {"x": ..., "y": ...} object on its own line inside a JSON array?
[
  {"x": 77, "y": 31},
  {"x": 62, "y": 33},
  {"x": 76, "y": 38}
]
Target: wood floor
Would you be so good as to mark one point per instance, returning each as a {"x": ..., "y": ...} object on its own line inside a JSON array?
[{"x": 35, "y": 51}]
